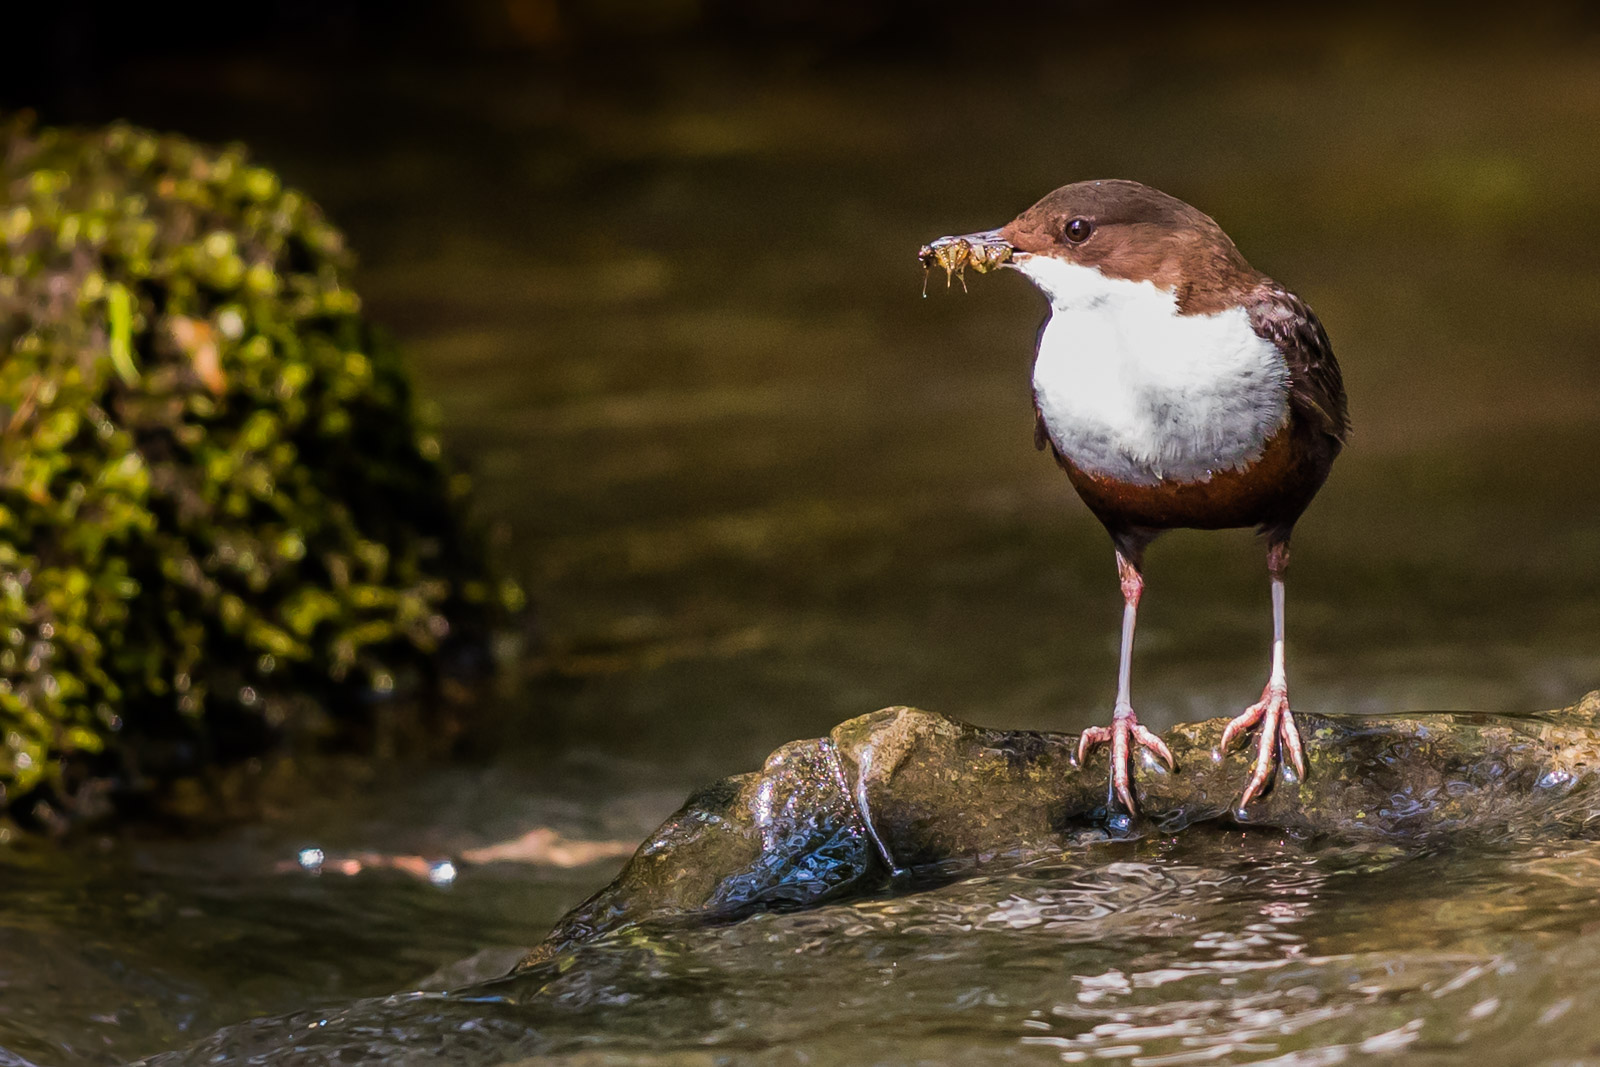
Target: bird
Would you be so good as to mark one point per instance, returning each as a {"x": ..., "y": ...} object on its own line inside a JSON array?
[{"x": 1177, "y": 387}]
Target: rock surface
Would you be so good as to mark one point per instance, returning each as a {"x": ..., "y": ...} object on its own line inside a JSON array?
[{"x": 902, "y": 797}]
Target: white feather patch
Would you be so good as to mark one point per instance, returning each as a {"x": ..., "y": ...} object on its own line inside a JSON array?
[{"x": 1132, "y": 390}]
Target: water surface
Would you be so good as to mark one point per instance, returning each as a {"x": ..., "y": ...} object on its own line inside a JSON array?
[{"x": 1216, "y": 949}]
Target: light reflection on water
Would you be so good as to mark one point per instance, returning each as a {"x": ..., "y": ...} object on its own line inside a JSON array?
[
  {"x": 1216, "y": 948},
  {"x": 758, "y": 486}
]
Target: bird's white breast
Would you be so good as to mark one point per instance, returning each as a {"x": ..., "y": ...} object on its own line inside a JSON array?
[{"x": 1130, "y": 389}]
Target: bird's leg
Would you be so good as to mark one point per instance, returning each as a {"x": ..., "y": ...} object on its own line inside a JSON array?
[
  {"x": 1271, "y": 712},
  {"x": 1125, "y": 729}
]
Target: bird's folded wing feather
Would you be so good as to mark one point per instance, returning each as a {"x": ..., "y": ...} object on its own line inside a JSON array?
[{"x": 1316, "y": 386}]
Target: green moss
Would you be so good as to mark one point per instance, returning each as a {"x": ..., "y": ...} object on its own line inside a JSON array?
[{"x": 221, "y": 519}]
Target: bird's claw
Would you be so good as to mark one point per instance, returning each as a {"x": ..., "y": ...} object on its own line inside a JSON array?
[
  {"x": 1123, "y": 731},
  {"x": 1277, "y": 731}
]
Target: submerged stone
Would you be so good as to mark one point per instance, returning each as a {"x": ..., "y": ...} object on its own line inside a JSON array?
[{"x": 902, "y": 797}]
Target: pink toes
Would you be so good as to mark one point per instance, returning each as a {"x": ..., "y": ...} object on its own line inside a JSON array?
[
  {"x": 1122, "y": 734},
  {"x": 1291, "y": 744},
  {"x": 1237, "y": 726},
  {"x": 1278, "y": 731},
  {"x": 1094, "y": 735},
  {"x": 1154, "y": 743}
]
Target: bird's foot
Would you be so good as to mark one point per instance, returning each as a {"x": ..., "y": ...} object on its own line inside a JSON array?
[
  {"x": 1278, "y": 731},
  {"x": 1121, "y": 734}
]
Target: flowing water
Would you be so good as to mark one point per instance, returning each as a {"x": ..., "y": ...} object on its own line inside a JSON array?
[
  {"x": 670, "y": 314},
  {"x": 1223, "y": 949}
]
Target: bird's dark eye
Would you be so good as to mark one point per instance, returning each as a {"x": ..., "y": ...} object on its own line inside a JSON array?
[{"x": 1078, "y": 230}]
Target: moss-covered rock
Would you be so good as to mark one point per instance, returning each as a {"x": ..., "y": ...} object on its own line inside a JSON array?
[
  {"x": 902, "y": 797},
  {"x": 221, "y": 518}
]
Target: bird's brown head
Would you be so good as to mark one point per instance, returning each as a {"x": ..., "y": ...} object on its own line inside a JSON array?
[
  {"x": 1129, "y": 231},
  {"x": 1122, "y": 230}
]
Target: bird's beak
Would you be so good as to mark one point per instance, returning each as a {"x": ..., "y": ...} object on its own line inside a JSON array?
[{"x": 982, "y": 252}]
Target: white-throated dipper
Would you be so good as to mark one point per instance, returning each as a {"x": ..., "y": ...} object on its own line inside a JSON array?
[{"x": 1177, "y": 386}]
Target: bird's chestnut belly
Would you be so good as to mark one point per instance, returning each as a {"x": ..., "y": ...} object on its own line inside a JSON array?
[{"x": 1273, "y": 489}]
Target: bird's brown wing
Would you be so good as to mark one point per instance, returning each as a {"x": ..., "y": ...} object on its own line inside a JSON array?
[{"x": 1316, "y": 386}]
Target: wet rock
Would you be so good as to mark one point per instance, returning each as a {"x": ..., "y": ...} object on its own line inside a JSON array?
[{"x": 902, "y": 797}]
